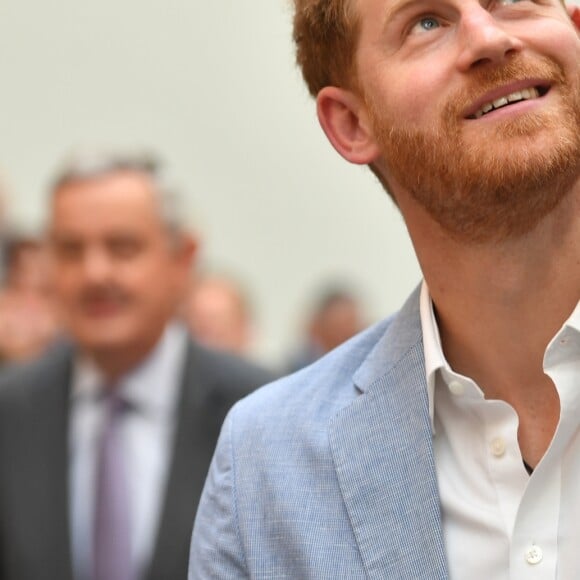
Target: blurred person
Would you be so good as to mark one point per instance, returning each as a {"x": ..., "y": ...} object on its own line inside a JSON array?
[
  {"x": 4, "y": 234},
  {"x": 444, "y": 441},
  {"x": 218, "y": 313},
  {"x": 336, "y": 317},
  {"x": 105, "y": 442},
  {"x": 26, "y": 265},
  {"x": 28, "y": 318}
]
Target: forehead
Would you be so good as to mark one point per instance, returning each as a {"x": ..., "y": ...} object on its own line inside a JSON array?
[
  {"x": 371, "y": 10},
  {"x": 218, "y": 292},
  {"x": 373, "y": 17},
  {"x": 122, "y": 199}
]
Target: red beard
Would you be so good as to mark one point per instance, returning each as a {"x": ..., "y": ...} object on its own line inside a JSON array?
[{"x": 497, "y": 185}]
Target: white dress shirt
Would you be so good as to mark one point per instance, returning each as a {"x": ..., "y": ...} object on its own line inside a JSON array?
[
  {"x": 499, "y": 522},
  {"x": 152, "y": 391}
]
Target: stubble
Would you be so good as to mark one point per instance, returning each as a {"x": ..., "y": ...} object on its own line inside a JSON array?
[{"x": 503, "y": 182}]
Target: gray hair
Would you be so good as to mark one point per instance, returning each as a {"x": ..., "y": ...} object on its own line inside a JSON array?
[{"x": 92, "y": 165}]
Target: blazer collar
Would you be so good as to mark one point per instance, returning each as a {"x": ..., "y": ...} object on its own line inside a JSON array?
[
  {"x": 383, "y": 453},
  {"x": 402, "y": 334}
]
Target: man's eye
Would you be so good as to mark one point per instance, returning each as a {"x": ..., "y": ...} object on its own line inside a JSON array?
[
  {"x": 124, "y": 248},
  {"x": 425, "y": 24},
  {"x": 68, "y": 251}
]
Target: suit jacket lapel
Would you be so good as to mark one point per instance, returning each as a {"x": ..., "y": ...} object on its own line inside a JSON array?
[
  {"x": 190, "y": 461},
  {"x": 383, "y": 453},
  {"x": 53, "y": 445}
]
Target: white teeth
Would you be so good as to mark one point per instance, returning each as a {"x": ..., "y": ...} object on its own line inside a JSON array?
[
  {"x": 514, "y": 97},
  {"x": 517, "y": 96},
  {"x": 500, "y": 102}
]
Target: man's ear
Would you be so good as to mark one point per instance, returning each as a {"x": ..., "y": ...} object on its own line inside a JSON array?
[
  {"x": 186, "y": 252},
  {"x": 184, "y": 261},
  {"x": 343, "y": 118},
  {"x": 574, "y": 13}
]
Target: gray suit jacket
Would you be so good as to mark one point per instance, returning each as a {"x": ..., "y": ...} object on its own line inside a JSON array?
[
  {"x": 329, "y": 473},
  {"x": 34, "y": 511}
]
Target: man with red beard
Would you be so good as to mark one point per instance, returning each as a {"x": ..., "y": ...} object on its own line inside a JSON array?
[{"x": 445, "y": 441}]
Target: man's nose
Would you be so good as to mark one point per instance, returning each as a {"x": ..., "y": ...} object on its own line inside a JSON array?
[
  {"x": 483, "y": 39},
  {"x": 97, "y": 266}
]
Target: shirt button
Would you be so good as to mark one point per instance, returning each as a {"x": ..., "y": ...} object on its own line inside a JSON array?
[
  {"x": 498, "y": 446},
  {"x": 534, "y": 555},
  {"x": 456, "y": 388}
]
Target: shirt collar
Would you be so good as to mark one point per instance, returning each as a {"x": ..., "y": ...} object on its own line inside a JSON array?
[
  {"x": 151, "y": 387},
  {"x": 565, "y": 346},
  {"x": 87, "y": 380},
  {"x": 435, "y": 360},
  {"x": 574, "y": 321},
  {"x": 434, "y": 357}
]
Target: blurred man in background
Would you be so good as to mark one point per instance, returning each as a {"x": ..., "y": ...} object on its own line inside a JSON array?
[
  {"x": 218, "y": 313},
  {"x": 3, "y": 226},
  {"x": 337, "y": 316},
  {"x": 28, "y": 319},
  {"x": 105, "y": 442}
]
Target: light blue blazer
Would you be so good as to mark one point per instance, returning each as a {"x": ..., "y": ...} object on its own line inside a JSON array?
[{"x": 329, "y": 473}]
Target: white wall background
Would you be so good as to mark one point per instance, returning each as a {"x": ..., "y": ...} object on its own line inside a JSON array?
[{"x": 213, "y": 88}]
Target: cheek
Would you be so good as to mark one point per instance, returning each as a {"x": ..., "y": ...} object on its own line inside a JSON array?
[
  {"x": 156, "y": 283},
  {"x": 414, "y": 97},
  {"x": 569, "y": 58},
  {"x": 558, "y": 41},
  {"x": 66, "y": 281}
]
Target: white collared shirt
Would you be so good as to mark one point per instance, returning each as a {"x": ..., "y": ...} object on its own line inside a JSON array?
[
  {"x": 499, "y": 522},
  {"x": 152, "y": 390}
]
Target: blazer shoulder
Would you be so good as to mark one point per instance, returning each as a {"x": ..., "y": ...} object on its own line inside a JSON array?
[{"x": 316, "y": 392}]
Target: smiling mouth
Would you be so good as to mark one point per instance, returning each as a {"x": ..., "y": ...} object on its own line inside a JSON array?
[{"x": 507, "y": 100}]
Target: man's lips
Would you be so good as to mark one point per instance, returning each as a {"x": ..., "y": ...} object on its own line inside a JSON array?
[
  {"x": 101, "y": 308},
  {"x": 527, "y": 90}
]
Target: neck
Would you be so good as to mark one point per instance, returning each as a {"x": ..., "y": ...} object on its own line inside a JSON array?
[
  {"x": 499, "y": 304},
  {"x": 492, "y": 292},
  {"x": 118, "y": 360}
]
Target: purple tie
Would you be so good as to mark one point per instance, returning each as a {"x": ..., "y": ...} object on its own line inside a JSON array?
[{"x": 112, "y": 541}]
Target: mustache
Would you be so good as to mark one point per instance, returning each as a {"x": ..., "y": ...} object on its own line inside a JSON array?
[
  {"x": 486, "y": 79},
  {"x": 101, "y": 293}
]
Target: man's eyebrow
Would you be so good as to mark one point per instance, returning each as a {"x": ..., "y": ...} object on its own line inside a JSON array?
[
  {"x": 60, "y": 236},
  {"x": 395, "y": 9}
]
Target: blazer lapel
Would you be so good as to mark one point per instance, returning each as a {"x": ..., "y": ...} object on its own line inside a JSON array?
[
  {"x": 52, "y": 445},
  {"x": 196, "y": 429},
  {"x": 383, "y": 453}
]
